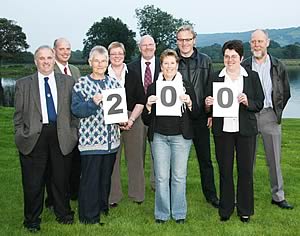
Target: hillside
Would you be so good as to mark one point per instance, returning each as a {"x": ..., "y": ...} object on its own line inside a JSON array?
[{"x": 282, "y": 36}]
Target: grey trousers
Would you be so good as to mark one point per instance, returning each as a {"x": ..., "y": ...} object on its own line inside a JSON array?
[
  {"x": 134, "y": 142},
  {"x": 270, "y": 132}
]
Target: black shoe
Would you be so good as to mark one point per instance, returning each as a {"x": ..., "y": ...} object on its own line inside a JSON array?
[
  {"x": 180, "y": 221},
  {"x": 139, "y": 203},
  {"x": 214, "y": 202},
  {"x": 245, "y": 219},
  {"x": 158, "y": 221},
  {"x": 66, "y": 220},
  {"x": 223, "y": 218},
  {"x": 33, "y": 227},
  {"x": 282, "y": 204},
  {"x": 113, "y": 205}
]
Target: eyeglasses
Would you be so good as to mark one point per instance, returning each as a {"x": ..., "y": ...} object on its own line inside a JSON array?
[
  {"x": 233, "y": 57},
  {"x": 257, "y": 41},
  {"x": 149, "y": 45},
  {"x": 116, "y": 54},
  {"x": 185, "y": 40}
]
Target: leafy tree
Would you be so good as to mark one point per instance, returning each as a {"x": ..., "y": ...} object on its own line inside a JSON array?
[
  {"x": 12, "y": 39},
  {"x": 161, "y": 25},
  {"x": 107, "y": 31}
]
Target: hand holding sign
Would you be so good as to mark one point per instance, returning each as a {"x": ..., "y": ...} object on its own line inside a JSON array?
[{"x": 242, "y": 98}]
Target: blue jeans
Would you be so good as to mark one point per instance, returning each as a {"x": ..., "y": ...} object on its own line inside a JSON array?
[{"x": 170, "y": 154}]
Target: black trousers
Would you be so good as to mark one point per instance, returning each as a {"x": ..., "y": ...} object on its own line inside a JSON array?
[
  {"x": 225, "y": 146},
  {"x": 73, "y": 181},
  {"x": 34, "y": 166},
  {"x": 95, "y": 183},
  {"x": 201, "y": 142}
]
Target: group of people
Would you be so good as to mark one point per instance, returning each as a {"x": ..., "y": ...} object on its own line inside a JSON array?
[{"x": 65, "y": 144}]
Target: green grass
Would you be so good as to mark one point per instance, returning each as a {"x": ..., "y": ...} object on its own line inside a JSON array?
[{"x": 133, "y": 219}]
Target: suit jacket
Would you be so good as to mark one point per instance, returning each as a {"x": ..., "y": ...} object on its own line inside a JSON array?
[
  {"x": 74, "y": 71},
  {"x": 28, "y": 114},
  {"x": 247, "y": 120},
  {"x": 135, "y": 70}
]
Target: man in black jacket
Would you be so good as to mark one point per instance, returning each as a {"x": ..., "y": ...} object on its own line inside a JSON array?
[
  {"x": 197, "y": 68},
  {"x": 275, "y": 83}
]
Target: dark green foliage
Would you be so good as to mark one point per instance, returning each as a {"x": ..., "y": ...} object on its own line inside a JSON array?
[
  {"x": 12, "y": 39},
  {"x": 107, "y": 31},
  {"x": 161, "y": 25}
]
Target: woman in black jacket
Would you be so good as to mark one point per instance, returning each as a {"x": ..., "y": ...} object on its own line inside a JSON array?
[
  {"x": 170, "y": 138},
  {"x": 236, "y": 134}
]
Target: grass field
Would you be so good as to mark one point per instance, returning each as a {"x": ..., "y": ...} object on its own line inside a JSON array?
[{"x": 133, "y": 219}]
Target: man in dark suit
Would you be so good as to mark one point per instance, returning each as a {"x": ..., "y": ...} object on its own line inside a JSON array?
[
  {"x": 62, "y": 48},
  {"x": 138, "y": 131},
  {"x": 45, "y": 134}
]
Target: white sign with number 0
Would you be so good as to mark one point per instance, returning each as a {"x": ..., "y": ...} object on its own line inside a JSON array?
[
  {"x": 225, "y": 100},
  {"x": 168, "y": 102}
]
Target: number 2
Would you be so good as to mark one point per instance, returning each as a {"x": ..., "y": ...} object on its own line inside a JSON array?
[{"x": 113, "y": 110}]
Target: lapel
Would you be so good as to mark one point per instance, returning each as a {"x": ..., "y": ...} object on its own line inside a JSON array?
[
  {"x": 60, "y": 86},
  {"x": 36, "y": 91},
  {"x": 56, "y": 68},
  {"x": 157, "y": 68}
]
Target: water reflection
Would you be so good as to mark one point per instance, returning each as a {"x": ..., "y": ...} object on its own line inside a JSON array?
[
  {"x": 7, "y": 87},
  {"x": 7, "y": 92}
]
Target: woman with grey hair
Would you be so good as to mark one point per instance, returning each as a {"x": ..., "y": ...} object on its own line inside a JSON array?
[{"x": 98, "y": 141}]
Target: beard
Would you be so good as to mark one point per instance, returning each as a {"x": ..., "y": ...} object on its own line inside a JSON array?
[{"x": 259, "y": 54}]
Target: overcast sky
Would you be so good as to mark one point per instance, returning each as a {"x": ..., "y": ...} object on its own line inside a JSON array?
[{"x": 44, "y": 21}]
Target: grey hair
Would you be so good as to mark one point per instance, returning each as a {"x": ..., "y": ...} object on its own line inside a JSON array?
[
  {"x": 262, "y": 30},
  {"x": 43, "y": 47},
  {"x": 98, "y": 49},
  {"x": 186, "y": 28}
]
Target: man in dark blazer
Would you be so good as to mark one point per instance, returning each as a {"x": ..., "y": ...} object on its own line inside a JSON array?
[
  {"x": 45, "y": 134},
  {"x": 138, "y": 133},
  {"x": 62, "y": 48}
]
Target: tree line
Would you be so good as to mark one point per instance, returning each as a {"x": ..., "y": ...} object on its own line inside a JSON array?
[{"x": 159, "y": 24}]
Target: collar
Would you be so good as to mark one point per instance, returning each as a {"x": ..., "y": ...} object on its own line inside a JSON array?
[{"x": 243, "y": 72}]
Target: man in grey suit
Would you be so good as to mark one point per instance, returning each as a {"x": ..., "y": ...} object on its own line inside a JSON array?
[
  {"x": 275, "y": 83},
  {"x": 62, "y": 48},
  {"x": 45, "y": 134}
]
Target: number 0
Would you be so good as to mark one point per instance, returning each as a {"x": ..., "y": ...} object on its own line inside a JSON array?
[
  {"x": 220, "y": 95},
  {"x": 173, "y": 96}
]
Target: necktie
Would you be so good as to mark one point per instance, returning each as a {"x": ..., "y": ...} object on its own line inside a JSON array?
[
  {"x": 65, "y": 70},
  {"x": 49, "y": 101},
  {"x": 148, "y": 76}
]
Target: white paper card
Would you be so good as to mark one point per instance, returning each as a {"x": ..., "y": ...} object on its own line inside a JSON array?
[
  {"x": 114, "y": 106},
  {"x": 225, "y": 100}
]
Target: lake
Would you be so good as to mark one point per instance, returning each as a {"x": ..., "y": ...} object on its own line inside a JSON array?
[{"x": 291, "y": 111}]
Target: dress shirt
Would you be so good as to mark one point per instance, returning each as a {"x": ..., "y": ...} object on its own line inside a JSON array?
[
  {"x": 263, "y": 71},
  {"x": 62, "y": 67},
  {"x": 112, "y": 74},
  {"x": 52, "y": 84},
  {"x": 152, "y": 67},
  {"x": 231, "y": 124}
]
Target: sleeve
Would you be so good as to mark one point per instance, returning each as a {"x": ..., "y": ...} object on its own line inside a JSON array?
[
  {"x": 286, "y": 86},
  {"x": 18, "y": 115},
  {"x": 80, "y": 107},
  {"x": 256, "y": 102},
  {"x": 195, "y": 112},
  {"x": 146, "y": 115}
]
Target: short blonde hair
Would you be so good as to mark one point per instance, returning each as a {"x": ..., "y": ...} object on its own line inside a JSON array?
[
  {"x": 186, "y": 28},
  {"x": 168, "y": 53},
  {"x": 116, "y": 44}
]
